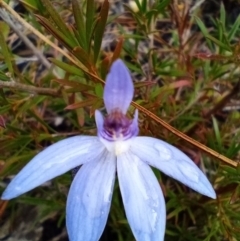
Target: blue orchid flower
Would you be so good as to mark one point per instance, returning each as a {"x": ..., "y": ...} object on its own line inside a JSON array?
[{"x": 116, "y": 149}]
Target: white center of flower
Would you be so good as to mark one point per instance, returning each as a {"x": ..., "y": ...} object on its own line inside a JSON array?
[{"x": 117, "y": 147}]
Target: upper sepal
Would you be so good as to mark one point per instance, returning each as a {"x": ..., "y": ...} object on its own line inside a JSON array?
[{"x": 119, "y": 89}]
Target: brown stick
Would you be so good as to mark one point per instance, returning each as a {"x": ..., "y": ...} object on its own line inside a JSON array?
[{"x": 30, "y": 89}]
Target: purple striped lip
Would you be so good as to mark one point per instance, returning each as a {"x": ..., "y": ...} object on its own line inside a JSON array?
[{"x": 118, "y": 126}]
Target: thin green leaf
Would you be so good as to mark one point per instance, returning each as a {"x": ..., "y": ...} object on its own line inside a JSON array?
[
  {"x": 2, "y": 122},
  {"x": 105, "y": 67},
  {"x": 33, "y": 5},
  {"x": 75, "y": 89},
  {"x": 31, "y": 104},
  {"x": 234, "y": 29},
  {"x": 117, "y": 50},
  {"x": 5, "y": 29},
  {"x": 78, "y": 16},
  {"x": 223, "y": 15},
  {"x": 75, "y": 84},
  {"x": 4, "y": 100},
  {"x": 97, "y": 105},
  {"x": 100, "y": 27},
  {"x": 84, "y": 103},
  {"x": 139, "y": 5},
  {"x": 89, "y": 20},
  {"x": 99, "y": 90},
  {"x": 79, "y": 39},
  {"x": 217, "y": 133},
  {"x": 56, "y": 18},
  {"x": 144, "y": 6},
  {"x": 40, "y": 120},
  {"x": 220, "y": 30},
  {"x": 91, "y": 34},
  {"x": 3, "y": 76},
  {"x": 219, "y": 43},
  {"x": 67, "y": 67},
  {"x": 5, "y": 51},
  {"x": 203, "y": 30},
  {"x": 162, "y": 5},
  {"x": 83, "y": 57},
  {"x": 64, "y": 39}
]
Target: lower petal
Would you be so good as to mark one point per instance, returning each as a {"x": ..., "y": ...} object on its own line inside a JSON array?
[
  {"x": 89, "y": 199},
  {"x": 142, "y": 197}
]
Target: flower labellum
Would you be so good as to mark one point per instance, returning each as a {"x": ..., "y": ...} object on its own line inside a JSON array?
[{"x": 116, "y": 149}]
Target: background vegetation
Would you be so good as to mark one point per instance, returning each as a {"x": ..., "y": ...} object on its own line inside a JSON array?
[{"x": 184, "y": 59}]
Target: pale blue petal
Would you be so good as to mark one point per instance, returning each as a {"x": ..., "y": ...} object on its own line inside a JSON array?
[
  {"x": 90, "y": 198},
  {"x": 172, "y": 162},
  {"x": 54, "y": 161},
  {"x": 142, "y": 198},
  {"x": 134, "y": 125},
  {"x": 118, "y": 90},
  {"x": 99, "y": 121}
]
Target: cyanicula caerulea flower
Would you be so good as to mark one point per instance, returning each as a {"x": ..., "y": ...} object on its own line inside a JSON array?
[{"x": 116, "y": 149}]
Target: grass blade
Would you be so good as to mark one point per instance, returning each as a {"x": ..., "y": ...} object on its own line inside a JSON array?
[
  {"x": 100, "y": 27},
  {"x": 78, "y": 16}
]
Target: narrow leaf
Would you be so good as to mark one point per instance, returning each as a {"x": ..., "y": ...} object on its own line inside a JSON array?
[
  {"x": 3, "y": 76},
  {"x": 64, "y": 39},
  {"x": 117, "y": 50},
  {"x": 105, "y": 67},
  {"x": 67, "y": 67},
  {"x": 2, "y": 122},
  {"x": 89, "y": 20},
  {"x": 33, "y": 5},
  {"x": 203, "y": 30},
  {"x": 91, "y": 33},
  {"x": 99, "y": 90},
  {"x": 162, "y": 4},
  {"x": 223, "y": 15},
  {"x": 139, "y": 6},
  {"x": 217, "y": 133},
  {"x": 75, "y": 84},
  {"x": 234, "y": 29},
  {"x": 78, "y": 16},
  {"x": 81, "y": 104},
  {"x": 97, "y": 105},
  {"x": 83, "y": 57},
  {"x": 219, "y": 43},
  {"x": 56, "y": 18},
  {"x": 5, "y": 51},
  {"x": 100, "y": 29}
]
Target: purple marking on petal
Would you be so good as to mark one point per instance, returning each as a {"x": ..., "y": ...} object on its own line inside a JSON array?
[
  {"x": 116, "y": 126},
  {"x": 119, "y": 89}
]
